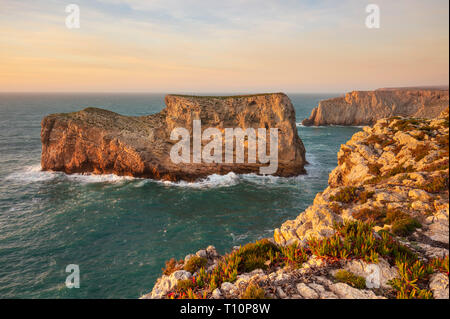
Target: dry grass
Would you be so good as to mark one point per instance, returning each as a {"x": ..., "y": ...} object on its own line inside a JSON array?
[
  {"x": 436, "y": 184},
  {"x": 345, "y": 195},
  {"x": 421, "y": 151}
]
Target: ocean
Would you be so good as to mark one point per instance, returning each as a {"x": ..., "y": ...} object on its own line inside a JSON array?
[{"x": 120, "y": 230}]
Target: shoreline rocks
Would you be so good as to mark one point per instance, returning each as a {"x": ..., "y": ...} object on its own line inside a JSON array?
[
  {"x": 103, "y": 142},
  {"x": 366, "y": 107}
]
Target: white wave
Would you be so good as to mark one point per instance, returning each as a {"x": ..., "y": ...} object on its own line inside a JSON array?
[
  {"x": 266, "y": 179},
  {"x": 211, "y": 181},
  {"x": 96, "y": 178},
  {"x": 32, "y": 173}
]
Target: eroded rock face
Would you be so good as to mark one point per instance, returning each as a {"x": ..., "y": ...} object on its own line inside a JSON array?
[
  {"x": 366, "y": 107},
  {"x": 396, "y": 165},
  {"x": 103, "y": 142}
]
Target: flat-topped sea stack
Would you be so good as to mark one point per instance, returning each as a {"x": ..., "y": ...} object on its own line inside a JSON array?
[
  {"x": 103, "y": 142},
  {"x": 366, "y": 107}
]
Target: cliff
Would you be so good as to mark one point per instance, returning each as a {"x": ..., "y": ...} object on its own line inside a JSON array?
[
  {"x": 366, "y": 107},
  {"x": 379, "y": 230},
  {"x": 103, "y": 142}
]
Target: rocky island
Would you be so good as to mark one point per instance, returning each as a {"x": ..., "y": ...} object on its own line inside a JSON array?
[
  {"x": 366, "y": 107},
  {"x": 379, "y": 230},
  {"x": 103, "y": 142}
]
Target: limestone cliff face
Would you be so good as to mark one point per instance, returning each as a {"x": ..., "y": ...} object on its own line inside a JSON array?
[
  {"x": 399, "y": 164},
  {"x": 103, "y": 142},
  {"x": 366, "y": 107}
]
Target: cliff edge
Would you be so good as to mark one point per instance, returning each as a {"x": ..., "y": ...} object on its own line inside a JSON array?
[
  {"x": 103, "y": 142},
  {"x": 366, "y": 107}
]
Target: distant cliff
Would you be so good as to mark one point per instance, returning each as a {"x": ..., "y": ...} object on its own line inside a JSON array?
[
  {"x": 103, "y": 142},
  {"x": 366, "y": 107}
]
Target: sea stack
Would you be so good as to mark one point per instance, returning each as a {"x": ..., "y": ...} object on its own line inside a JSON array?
[
  {"x": 103, "y": 142},
  {"x": 366, "y": 107}
]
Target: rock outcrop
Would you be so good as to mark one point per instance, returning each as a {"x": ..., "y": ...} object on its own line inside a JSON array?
[
  {"x": 399, "y": 164},
  {"x": 379, "y": 230},
  {"x": 366, "y": 107},
  {"x": 103, "y": 142}
]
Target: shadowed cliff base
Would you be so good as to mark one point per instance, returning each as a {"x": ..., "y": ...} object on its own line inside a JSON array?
[
  {"x": 366, "y": 107},
  {"x": 103, "y": 142}
]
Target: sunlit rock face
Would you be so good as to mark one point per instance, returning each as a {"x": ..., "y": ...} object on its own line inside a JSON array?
[
  {"x": 366, "y": 107},
  {"x": 103, "y": 142}
]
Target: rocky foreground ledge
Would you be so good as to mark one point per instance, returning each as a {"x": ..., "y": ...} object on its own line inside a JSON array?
[
  {"x": 366, "y": 107},
  {"x": 103, "y": 142},
  {"x": 380, "y": 230}
]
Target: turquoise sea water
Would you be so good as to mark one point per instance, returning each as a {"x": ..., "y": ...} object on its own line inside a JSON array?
[{"x": 121, "y": 230}]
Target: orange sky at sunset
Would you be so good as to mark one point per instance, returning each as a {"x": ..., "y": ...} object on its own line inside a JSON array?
[{"x": 209, "y": 46}]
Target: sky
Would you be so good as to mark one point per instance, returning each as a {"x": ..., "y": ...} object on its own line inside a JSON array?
[{"x": 240, "y": 46}]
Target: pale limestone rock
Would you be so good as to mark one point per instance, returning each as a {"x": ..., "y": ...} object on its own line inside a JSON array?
[
  {"x": 439, "y": 286},
  {"x": 281, "y": 293},
  {"x": 344, "y": 291},
  {"x": 242, "y": 279},
  {"x": 367, "y": 152},
  {"x": 387, "y": 158},
  {"x": 419, "y": 205},
  {"x": 418, "y": 194},
  {"x": 228, "y": 287},
  {"x": 433, "y": 252},
  {"x": 315, "y": 221},
  {"x": 366, "y": 270},
  {"x": 418, "y": 178},
  {"x": 211, "y": 250},
  {"x": 166, "y": 283},
  {"x": 217, "y": 294},
  {"x": 388, "y": 197},
  {"x": 307, "y": 292},
  {"x": 406, "y": 139},
  {"x": 201, "y": 253}
]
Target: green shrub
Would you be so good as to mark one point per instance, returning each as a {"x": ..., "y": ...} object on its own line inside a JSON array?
[
  {"x": 294, "y": 255},
  {"x": 253, "y": 292},
  {"x": 375, "y": 216},
  {"x": 254, "y": 255},
  {"x": 185, "y": 285},
  {"x": 402, "y": 224},
  {"x": 350, "y": 279},
  {"x": 365, "y": 196},
  {"x": 405, "y": 227},
  {"x": 346, "y": 195},
  {"x": 195, "y": 263}
]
